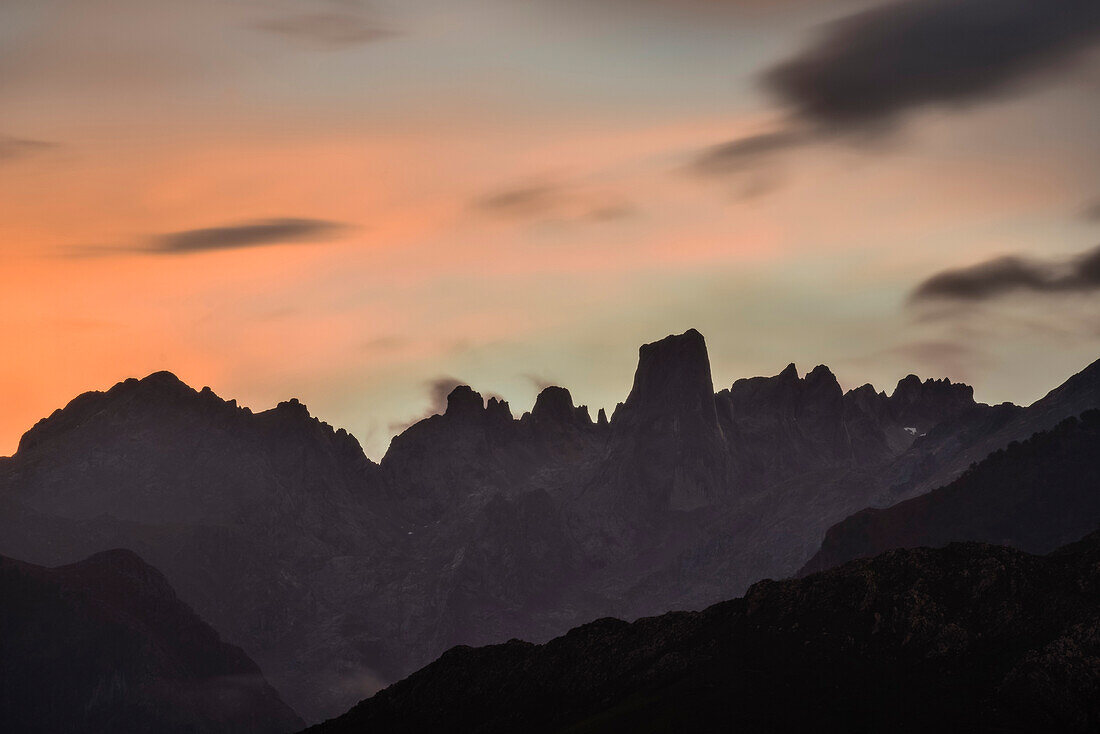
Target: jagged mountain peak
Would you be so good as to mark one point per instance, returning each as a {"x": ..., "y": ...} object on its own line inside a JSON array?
[
  {"x": 496, "y": 409},
  {"x": 554, "y": 404},
  {"x": 910, "y": 388},
  {"x": 789, "y": 373},
  {"x": 673, "y": 374},
  {"x": 923, "y": 404},
  {"x": 821, "y": 378},
  {"x": 464, "y": 401}
]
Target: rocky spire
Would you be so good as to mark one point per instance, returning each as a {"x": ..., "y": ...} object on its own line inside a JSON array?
[{"x": 666, "y": 435}]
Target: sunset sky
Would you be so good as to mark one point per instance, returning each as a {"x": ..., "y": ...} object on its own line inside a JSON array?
[{"x": 361, "y": 203}]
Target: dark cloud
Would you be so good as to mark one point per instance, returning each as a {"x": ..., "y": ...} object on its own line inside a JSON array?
[
  {"x": 737, "y": 155},
  {"x": 868, "y": 67},
  {"x": 1013, "y": 274},
  {"x": 12, "y": 148},
  {"x": 246, "y": 234},
  {"x": 327, "y": 30}
]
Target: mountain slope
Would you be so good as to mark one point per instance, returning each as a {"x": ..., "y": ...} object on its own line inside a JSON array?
[
  {"x": 968, "y": 638},
  {"x": 105, "y": 645},
  {"x": 1036, "y": 496},
  {"x": 239, "y": 510},
  {"x": 339, "y": 575}
]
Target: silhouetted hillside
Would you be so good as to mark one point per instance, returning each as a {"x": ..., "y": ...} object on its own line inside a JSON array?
[
  {"x": 1036, "y": 495},
  {"x": 104, "y": 645},
  {"x": 970, "y": 638}
]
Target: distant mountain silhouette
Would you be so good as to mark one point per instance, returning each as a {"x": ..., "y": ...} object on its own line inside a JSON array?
[
  {"x": 339, "y": 575},
  {"x": 970, "y": 638},
  {"x": 1035, "y": 495},
  {"x": 104, "y": 645}
]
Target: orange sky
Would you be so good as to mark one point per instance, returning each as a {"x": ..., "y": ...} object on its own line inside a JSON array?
[{"x": 516, "y": 206}]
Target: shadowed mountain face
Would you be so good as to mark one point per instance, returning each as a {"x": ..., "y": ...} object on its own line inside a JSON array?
[
  {"x": 338, "y": 575},
  {"x": 1035, "y": 495},
  {"x": 970, "y": 638},
  {"x": 105, "y": 645}
]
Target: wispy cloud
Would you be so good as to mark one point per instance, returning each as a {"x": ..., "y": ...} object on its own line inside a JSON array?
[
  {"x": 330, "y": 30},
  {"x": 553, "y": 202},
  {"x": 1004, "y": 275},
  {"x": 246, "y": 234},
  {"x": 737, "y": 155},
  {"x": 13, "y": 148},
  {"x": 253, "y": 233},
  {"x": 865, "y": 71},
  {"x": 521, "y": 201}
]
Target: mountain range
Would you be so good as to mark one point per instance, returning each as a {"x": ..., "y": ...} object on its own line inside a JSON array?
[{"x": 338, "y": 575}]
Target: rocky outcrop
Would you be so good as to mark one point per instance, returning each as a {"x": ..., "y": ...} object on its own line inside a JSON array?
[
  {"x": 922, "y": 405},
  {"x": 667, "y": 450},
  {"x": 105, "y": 645},
  {"x": 972, "y": 638}
]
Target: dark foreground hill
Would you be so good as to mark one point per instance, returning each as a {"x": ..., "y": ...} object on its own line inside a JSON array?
[
  {"x": 104, "y": 645},
  {"x": 338, "y": 575},
  {"x": 1035, "y": 495},
  {"x": 969, "y": 638}
]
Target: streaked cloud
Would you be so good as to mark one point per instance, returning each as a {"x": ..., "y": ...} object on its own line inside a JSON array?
[
  {"x": 737, "y": 155},
  {"x": 867, "y": 68},
  {"x": 13, "y": 148},
  {"x": 557, "y": 202},
  {"x": 1004, "y": 275},
  {"x": 245, "y": 234},
  {"x": 521, "y": 201},
  {"x": 327, "y": 30}
]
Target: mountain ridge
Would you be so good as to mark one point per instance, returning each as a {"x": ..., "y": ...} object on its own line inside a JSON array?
[
  {"x": 339, "y": 574},
  {"x": 970, "y": 637}
]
